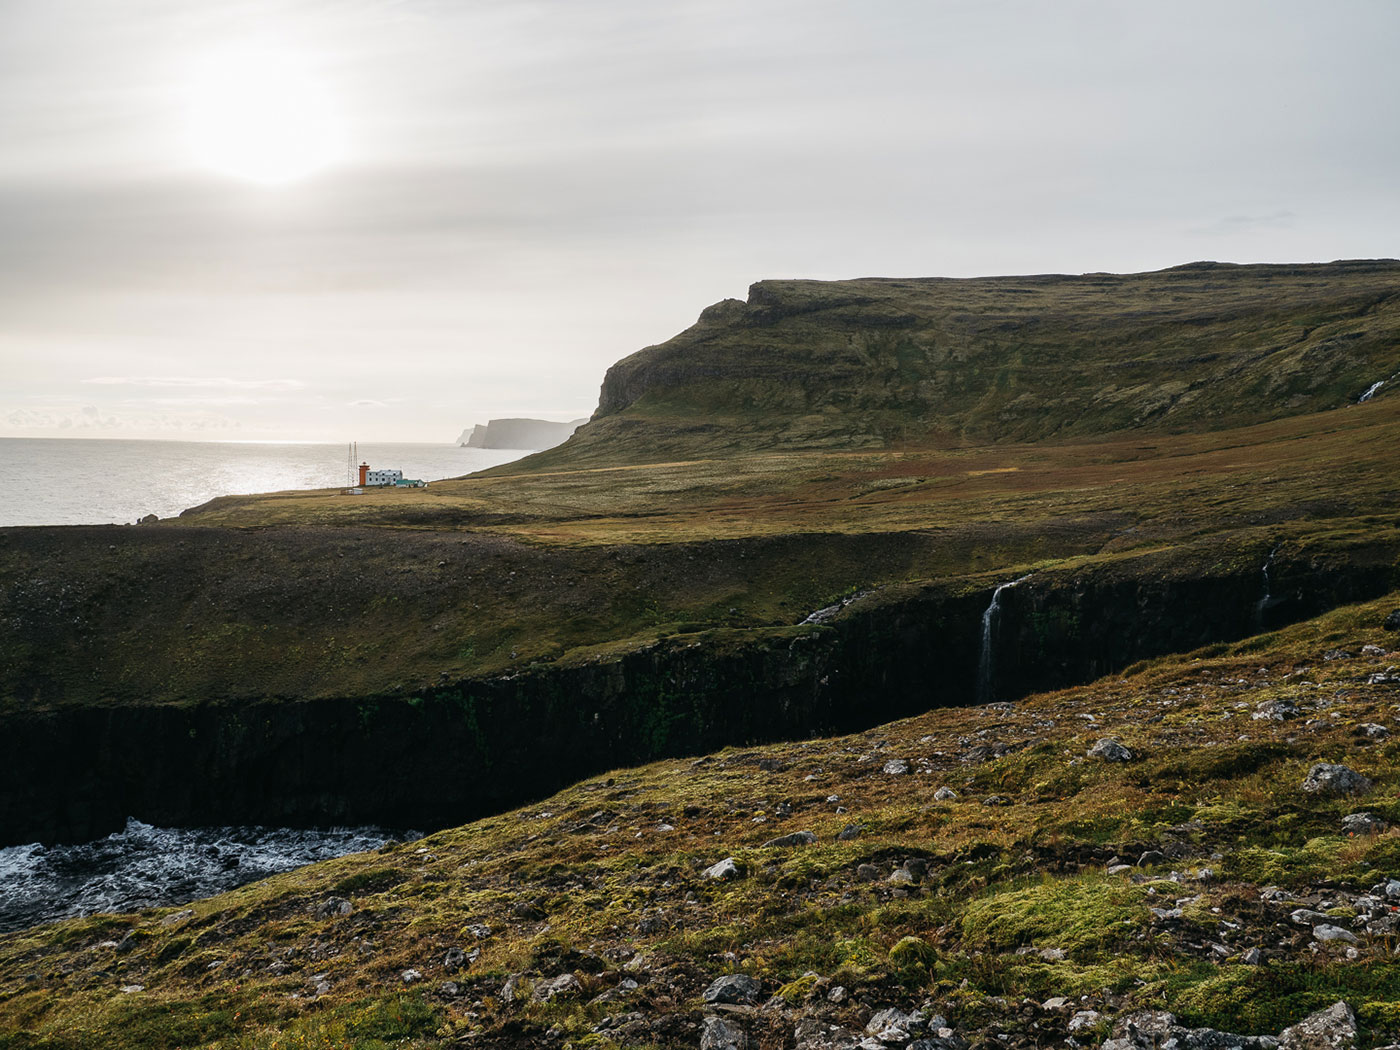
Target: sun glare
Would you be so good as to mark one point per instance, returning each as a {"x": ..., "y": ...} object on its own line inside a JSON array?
[{"x": 259, "y": 114}]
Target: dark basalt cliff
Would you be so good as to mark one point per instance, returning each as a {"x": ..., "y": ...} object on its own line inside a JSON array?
[{"x": 451, "y": 753}]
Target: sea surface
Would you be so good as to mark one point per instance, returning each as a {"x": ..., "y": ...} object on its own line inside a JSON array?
[
  {"x": 143, "y": 867},
  {"x": 63, "y": 481}
]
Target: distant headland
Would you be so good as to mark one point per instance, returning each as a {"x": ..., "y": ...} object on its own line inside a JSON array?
[{"x": 535, "y": 434}]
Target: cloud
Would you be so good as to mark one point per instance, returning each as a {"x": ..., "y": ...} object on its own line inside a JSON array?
[
  {"x": 368, "y": 403},
  {"x": 198, "y": 382}
]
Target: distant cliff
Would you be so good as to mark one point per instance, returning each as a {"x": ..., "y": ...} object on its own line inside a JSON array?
[{"x": 518, "y": 433}]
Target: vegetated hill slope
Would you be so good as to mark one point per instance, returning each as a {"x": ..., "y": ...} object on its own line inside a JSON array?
[
  {"x": 874, "y": 362},
  {"x": 987, "y": 870}
]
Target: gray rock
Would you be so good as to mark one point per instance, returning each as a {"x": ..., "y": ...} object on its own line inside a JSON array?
[
  {"x": 812, "y": 1033},
  {"x": 450, "y": 989},
  {"x": 901, "y": 877},
  {"x": 1156, "y": 1029},
  {"x": 1276, "y": 711},
  {"x": 893, "y": 1026},
  {"x": 1111, "y": 750},
  {"x": 944, "y": 1039},
  {"x": 837, "y": 994},
  {"x": 797, "y": 838},
  {"x": 849, "y": 832},
  {"x": 1330, "y": 1029},
  {"x": 1373, "y": 730},
  {"x": 996, "y": 800},
  {"x": 333, "y": 907},
  {"x": 1363, "y": 824},
  {"x": 1336, "y": 654},
  {"x": 1151, "y": 857},
  {"x": 510, "y": 991},
  {"x": 1328, "y": 932},
  {"x": 897, "y": 767},
  {"x": 1059, "y": 1002},
  {"x": 1392, "y": 622},
  {"x": 411, "y": 976},
  {"x": 734, "y": 988},
  {"x": 1327, "y": 778},
  {"x": 723, "y": 871},
  {"x": 554, "y": 987},
  {"x": 719, "y": 1034},
  {"x": 454, "y": 959},
  {"x": 1083, "y": 1019},
  {"x": 945, "y": 794},
  {"x": 175, "y": 918},
  {"x": 1309, "y": 917},
  {"x": 867, "y": 873},
  {"x": 1253, "y": 957},
  {"x": 478, "y": 930}
]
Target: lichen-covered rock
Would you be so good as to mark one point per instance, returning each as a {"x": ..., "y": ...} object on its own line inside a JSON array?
[
  {"x": 896, "y": 767},
  {"x": 719, "y": 1034},
  {"x": 723, "y": 871},
  {"x": 555, "y": 987},
  {"x": 1328, "y": 778},
  {"x": 1330, "y": 1029},
  {"x": 734, "y": 988},
  {"x": 333, "y": 907},
  {"x": 797, "y": 838},
  {"x": 1363, "y": 824},
  {"x": 1111, "y": 750}
]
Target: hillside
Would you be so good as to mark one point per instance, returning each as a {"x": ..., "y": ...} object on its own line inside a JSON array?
[
  {"x": 996, "y": 874},
  {"x": 764, "y": 465},
  {"x": 881, "y": 362}
]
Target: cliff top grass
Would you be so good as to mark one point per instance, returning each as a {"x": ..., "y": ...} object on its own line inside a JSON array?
[{"x": 1047, "y": 872}]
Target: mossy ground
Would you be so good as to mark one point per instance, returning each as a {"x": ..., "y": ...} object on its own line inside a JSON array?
[{"x": 1010, "y": 900}]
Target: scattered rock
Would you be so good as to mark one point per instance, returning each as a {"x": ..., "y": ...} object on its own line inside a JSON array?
[
  {"x": 554, "y": 987},
  {"x": 411, "y": 976},
  {"x": 1253, "y": 957},
  {"x": 723, "y": 871},
  {"x": 1276, "y": 711},
  {"x": 1111, "y": 750},
  {"x": 1151, "y": 857},
  {"x": 1328, "y": 932},
  {"x": 945, "y": 794},
  {"x": 1308, "y": 917},
  {"x": 177, "y": 917},
  {"x": 838, "y": 994},
  {"x": 1373, "y": 730},
  {"x": 996, "y": 800},
  {"x": 797, "y": 838},
  {"x": 1392, "y": 622},
  {"x": 893, "y": 1026},
  {"x": 478, "y": 930},
  {"x": 1330, "y": 1029},
  {"x": 1336, "y": 654},
  {"x": 812, "y": 1033},
  {"x": 1059, "y": 1002},
  {"x": 1326, "y": 778},
  {"x": 849, "y": 832},
  {"x": 1363, "y": 824},
  {"x": 897, "y": 767},
  {"x": 867, "y": 873},
  {"x": 454, "y": 959},
  {"x": 1083, "y": 1019},
  {"x": 735, "y": 988},
  {"x": 450, "y": 989},
  {"x": 333, "y": 907},
  {"x": 719, "y": 1034},
  {"x": 901, "y": 877}
]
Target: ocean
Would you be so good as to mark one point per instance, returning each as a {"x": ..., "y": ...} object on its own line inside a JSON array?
[
  {"x": 62, "y": 481},
  {"x": 81, "y": 482}
]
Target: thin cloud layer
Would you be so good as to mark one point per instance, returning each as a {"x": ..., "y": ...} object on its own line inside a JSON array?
[{"x": 531, "y": 191}]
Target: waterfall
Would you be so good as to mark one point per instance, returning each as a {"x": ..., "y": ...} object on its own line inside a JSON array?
[
  {"x": 1370, "y": 391},
  {"x": 986, "y": 663},
  {"x": 1262, "y": 605}
]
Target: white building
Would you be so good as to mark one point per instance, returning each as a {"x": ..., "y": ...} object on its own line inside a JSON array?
[{"x": 383, "y": 477}]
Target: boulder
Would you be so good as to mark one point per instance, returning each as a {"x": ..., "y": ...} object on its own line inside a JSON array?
[
  {"x": 333, "y": 907},
  {"x": 797, "y": 838},
  {"x": 719, "y": 1034},
  {"x": 723, "y": 871},
  {"x": 1392, "y": 622},
  {"x": 1363, "y": 824},
  {"x": 554, "y": 987},
  {"x": 945, "y": 794},
  {"x": 1327, "y": 778},
  {"x": 734, "y": 989},
  {"x": 896, "y": 767},
  {"x": 1330, "y": 1029},
  {"x": 1111, "y": 750},
  {"x": 1327, "y": 932}
]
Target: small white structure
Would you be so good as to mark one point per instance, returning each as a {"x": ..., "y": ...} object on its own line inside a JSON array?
[{"x": 383, "y": 477}]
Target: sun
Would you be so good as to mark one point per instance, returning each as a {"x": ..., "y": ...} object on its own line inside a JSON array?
[{"x": 259, "y": 114}]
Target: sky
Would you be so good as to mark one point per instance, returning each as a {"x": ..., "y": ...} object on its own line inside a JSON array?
[{"x": 386, "y": 220}]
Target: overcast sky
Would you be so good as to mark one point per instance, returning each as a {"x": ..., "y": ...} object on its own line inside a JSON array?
[{"x": 524, "y": 192}]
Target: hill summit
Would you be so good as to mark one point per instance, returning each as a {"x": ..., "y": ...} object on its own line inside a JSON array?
[{"x": 876, "y": 362}]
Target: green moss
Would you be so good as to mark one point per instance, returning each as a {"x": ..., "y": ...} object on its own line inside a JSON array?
[{"x": 1084, "y": 914}]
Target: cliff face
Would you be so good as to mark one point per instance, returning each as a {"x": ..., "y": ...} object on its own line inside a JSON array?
[
  {"x": 518, "y": 433},
  {"x": 871, "y": 362}
]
